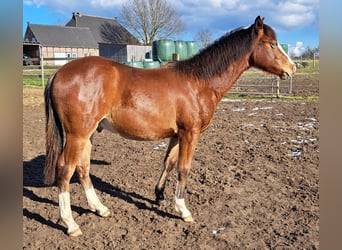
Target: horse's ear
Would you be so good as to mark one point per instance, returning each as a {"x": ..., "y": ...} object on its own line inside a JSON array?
[{"x": 259, "y": 24}]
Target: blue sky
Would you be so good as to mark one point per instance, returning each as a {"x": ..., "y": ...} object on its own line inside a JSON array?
[{"x": 296, "y": 22}]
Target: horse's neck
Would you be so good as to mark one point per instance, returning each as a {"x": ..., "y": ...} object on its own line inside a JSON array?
[{"x": 220, "y": 84}]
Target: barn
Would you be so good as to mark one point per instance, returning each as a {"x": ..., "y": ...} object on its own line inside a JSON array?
[
  {"x": 57, "y": 42},
  {"x": 83, "y": 35}
]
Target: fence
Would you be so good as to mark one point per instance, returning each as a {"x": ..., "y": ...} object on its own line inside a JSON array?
[
  {"x": 246, "y": 85},
  {"x": 39, "y": 66},
  {"x": 265, "y": 85}
]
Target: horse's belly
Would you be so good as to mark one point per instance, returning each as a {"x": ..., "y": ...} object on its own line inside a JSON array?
[{"x": 140, "y": 128}]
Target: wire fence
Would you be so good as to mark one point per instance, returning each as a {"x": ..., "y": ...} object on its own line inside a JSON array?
[
  {"x": 255, "y": 84},
  {"x": 41, "y": 69},
  {"x": 262, "y": 85}
]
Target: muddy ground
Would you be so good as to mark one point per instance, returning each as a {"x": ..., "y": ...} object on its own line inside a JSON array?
[{"x": 253, "y": 183}]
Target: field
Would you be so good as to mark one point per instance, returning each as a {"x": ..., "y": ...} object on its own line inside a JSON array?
[{"x": 253, "y": 183}]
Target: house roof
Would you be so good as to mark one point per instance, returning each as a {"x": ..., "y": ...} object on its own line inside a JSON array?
[
  {"x": 61, "y": 36},
  {"x": 104, "y": 30}
]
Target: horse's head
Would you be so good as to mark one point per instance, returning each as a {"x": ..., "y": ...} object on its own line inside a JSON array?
[{"x": 268, "y": 55}]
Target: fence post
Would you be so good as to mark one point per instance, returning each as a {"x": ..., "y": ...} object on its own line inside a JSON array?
[
  {"x": 272, "y": 85},
  {"x": 278, "y": 89},
  {"x": 41, "y": 64}
]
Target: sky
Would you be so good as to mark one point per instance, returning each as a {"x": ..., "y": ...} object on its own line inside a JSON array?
[{"x": 296, "y": 22}]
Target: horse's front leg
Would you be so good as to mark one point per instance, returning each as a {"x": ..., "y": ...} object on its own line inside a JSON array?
[
  {"x": 187, "y": 143},
  {"x": 170, "y": 161}
]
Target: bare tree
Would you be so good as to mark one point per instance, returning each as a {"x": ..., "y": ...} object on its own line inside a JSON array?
[
  {"x": 151, "y": 19},
  {"x": 204, "y": 37}
]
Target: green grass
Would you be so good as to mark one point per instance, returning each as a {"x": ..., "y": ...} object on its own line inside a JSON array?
[
  {"x": 38, "y": 72},
  {"x": 33, "y": 81},
  {"x": 268, "y": 97},
  {"x": 32, "y": 76},
  {"x": 300, "y": 98},
  {"x": 311, "y": 68}
]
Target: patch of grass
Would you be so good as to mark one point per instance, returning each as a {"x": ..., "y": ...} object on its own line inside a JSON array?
[
  {"x": 300, "y": 98},
  {"x": 32, "y": 81},
  {"x": 311, "y": 66},
  {"x": 33, "y": 76},
  {"x": 280, "y": 98},
  {"x": 37, "y": 73}
]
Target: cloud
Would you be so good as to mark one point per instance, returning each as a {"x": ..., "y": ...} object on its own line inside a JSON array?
[
  {"x": 219, "y": 16},
  {"x": 294, "y": 14},
  {"x": 298, "y": 50},
  {"x": 106, "y": 3},
  {"x": 36, "y": 3},
  {"x": 27, "y": 2},
  {"x": 287, "y": 14}
]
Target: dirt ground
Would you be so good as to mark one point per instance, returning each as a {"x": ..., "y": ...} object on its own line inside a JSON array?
[{"x": 253, "y": 183}]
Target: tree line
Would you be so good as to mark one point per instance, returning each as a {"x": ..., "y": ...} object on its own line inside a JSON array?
[
  {"x": 149, "y": 20},
  {"x": 308, "y": 54}
]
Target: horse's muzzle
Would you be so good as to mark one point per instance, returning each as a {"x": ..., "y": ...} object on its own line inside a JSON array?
[{"x": 284, "y": 76}]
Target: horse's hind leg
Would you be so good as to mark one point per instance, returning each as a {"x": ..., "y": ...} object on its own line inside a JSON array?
[
  {"x": 170, "y": 162},
  {"x": 76, "y": 155},
  {"x": 67, "y": 162},
  {"x": 83, "y": 173}
]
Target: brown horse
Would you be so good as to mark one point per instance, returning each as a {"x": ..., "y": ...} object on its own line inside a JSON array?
[{"x": 177, "y": 102}]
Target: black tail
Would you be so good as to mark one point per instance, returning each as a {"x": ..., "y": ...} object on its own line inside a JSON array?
[{"x": 54, "y": 136}]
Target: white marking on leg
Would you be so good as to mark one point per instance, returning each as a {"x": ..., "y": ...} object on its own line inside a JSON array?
[
  {"x": 66, "y": 215},
  {"x": 181, "y": 208},
  {"x": 95, "y": 204}
]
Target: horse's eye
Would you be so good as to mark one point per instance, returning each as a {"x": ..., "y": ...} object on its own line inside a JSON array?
[{"x": 273, "y": 44}]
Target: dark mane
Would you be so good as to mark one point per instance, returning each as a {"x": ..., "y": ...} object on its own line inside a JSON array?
[{"x": 216, "y": 58}]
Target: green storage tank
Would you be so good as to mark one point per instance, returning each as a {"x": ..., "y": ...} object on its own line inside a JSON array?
[
  {"x": 192, "y": 48},
  {"x": 128, "y": 63},
  {"x": 181, "y": 49},
  {"x": 285, "y": 48},
  {"x": 163, "y": 50},
  {"x": 163, "y": 63},
  {"x": 137, "y": 64},
  {"x": 151, "y": 64}
]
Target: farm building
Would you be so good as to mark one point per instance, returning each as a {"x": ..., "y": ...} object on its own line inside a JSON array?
[
  {"x": 82, "y": 36},
  {"x": 58, "y": 42}
]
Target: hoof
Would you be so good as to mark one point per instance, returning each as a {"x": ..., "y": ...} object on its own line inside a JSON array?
[
  {"x": 188, "y": 219},
  {"x": 160, "y": 202},
  {"x": 75, "y": 233},
  {"x": 105, "y": 213}
]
